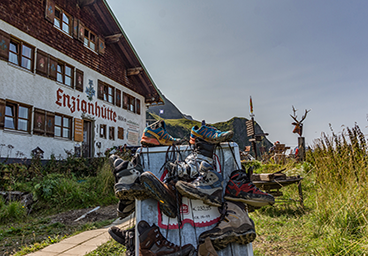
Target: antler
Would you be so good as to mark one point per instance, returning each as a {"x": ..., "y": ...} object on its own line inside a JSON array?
[
  {"x": 305, "y": 115},
  {"x": 295, "y": 116}
]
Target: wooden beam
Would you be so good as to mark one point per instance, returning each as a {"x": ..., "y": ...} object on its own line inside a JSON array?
[
  {"x": 113, "y": 38},
  {"x": 134, "y": 71},
  {"x": 83, "y": 3},
  {"x": 106, "y": 25}
]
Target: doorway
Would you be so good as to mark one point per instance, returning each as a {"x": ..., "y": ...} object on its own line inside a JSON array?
[{"x": 87, "y": 139}]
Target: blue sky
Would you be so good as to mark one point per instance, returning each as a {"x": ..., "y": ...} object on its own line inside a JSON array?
[{"x": 209, "y": 56}]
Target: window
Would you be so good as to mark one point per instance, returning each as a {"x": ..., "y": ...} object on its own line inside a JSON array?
[
  {"x": 111, "y": 133},
  {"x": 65, "y": 74},
  {"x": 106, "y": 92},
  {"x": 89, "y": 39},
  {"x": 17, "y": 116},
  {"x": 62, "y": 20},
  {"x": 125, "y": 100},
  {"x": 103, "y": 131},
  {"x": 63, "y": 126},
  {"x": 131, "y": 104},
  {"x": 21, "y": 54},
  {"x": 110, "y": 94},
  {"x": 118, "y": 98}
]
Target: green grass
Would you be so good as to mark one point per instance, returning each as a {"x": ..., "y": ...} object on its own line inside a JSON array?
[
  {"x": 44, "y": 234},
  {"x": 55, "y": 193},
  {"x": 111, "y": 248}
]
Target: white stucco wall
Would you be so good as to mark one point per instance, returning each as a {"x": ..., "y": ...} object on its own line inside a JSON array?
[{"x": 20, "y": 85}]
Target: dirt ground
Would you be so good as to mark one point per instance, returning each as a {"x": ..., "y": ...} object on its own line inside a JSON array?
[
  {"x": 13, "y": 236},
  {"x": 69, "y": 218}
]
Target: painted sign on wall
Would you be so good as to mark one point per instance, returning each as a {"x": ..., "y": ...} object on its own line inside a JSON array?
[
  {"x": 76, "y": 104},
  {"x": 78, "y": 129}
]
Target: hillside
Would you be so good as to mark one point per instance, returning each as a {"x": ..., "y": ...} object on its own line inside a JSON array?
[
  {"x": 180, "y": 128},
  {"x": 179, "y": 125},
  {"x": 169, "y": 110}
]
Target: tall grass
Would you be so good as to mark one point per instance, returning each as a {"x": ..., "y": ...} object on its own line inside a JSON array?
[
  {"x": 11, "y": 212},
  {"x": 341, "y": 204},
  {"x": 63, "y": 192}
]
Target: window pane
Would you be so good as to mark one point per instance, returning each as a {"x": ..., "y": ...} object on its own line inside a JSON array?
[
  {"x": 85, "y": 41},
  {"x": 58, "y": 120},
  {"x": 57, "y": 131},
  {"x": 66, "y": 28},
  {"x": 26, "y": 63},
  {"x": 57, "y": 13},
  {"x": 13, "y": 47},
  {"x": 59, "y": 68},
  {"x": 9, "y": 123},
  {"x": 13, "y": 58},
  {"x": 68, "y": 71},
  {"x": 9, "y": 111},
  {"x": 57, "y": 22},
  {"x": 65, "y": 18},
  {"x": 68, "y": 81},
  {"x": 23, "y": 112},
  {"x": 66, "y": 122},
  {"x": 110, "y": 99},
  {"x": 92, "y": 46},
  {"x": 22, "y": 125},
  {"x": 26, "y": 51},
  {"x": 59, "y": 77},
  {"x": 65, "y": 133}
]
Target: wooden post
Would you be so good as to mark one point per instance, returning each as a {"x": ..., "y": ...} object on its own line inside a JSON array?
[
  {"x": 254, "y": 145},
  {"x": 301, "y": 147}
]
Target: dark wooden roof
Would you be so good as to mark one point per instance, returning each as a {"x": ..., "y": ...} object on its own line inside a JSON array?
[{"x": 116, "y": 37}]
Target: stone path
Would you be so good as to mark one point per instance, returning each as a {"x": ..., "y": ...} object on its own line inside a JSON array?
[{"x": 83, "y": 243}]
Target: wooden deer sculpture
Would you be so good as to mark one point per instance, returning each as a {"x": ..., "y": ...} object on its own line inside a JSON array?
[{"x": 298, "y": 124}]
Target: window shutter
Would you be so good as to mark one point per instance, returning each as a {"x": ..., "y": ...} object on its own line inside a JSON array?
[
  {"x": 138, "y": 108},
  {"x": 42, "y": 63},
  {"x": 52, "y": 68},
  {"x": 75, "y": 29},
  {"x": 2, "y": 112},
  {"x": 125, "y": 100},
  {"x": 50, "y": 10},
  {"x": 39, "y": 121},
  {"x": 118, "y": 98},
  {"x": 120, "y": 133},
  {"x": 101, "y": 45},
  {"x": 4, "y": 45},
  {"x": 80, "y": 32},
  {"x": 79, "y": 80},
  {"x": 50, "y": 121},
  {"x": 113, "y": 95},
  {"x": 111, "y": 133},
  {"x": 100, "y": 90}
]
